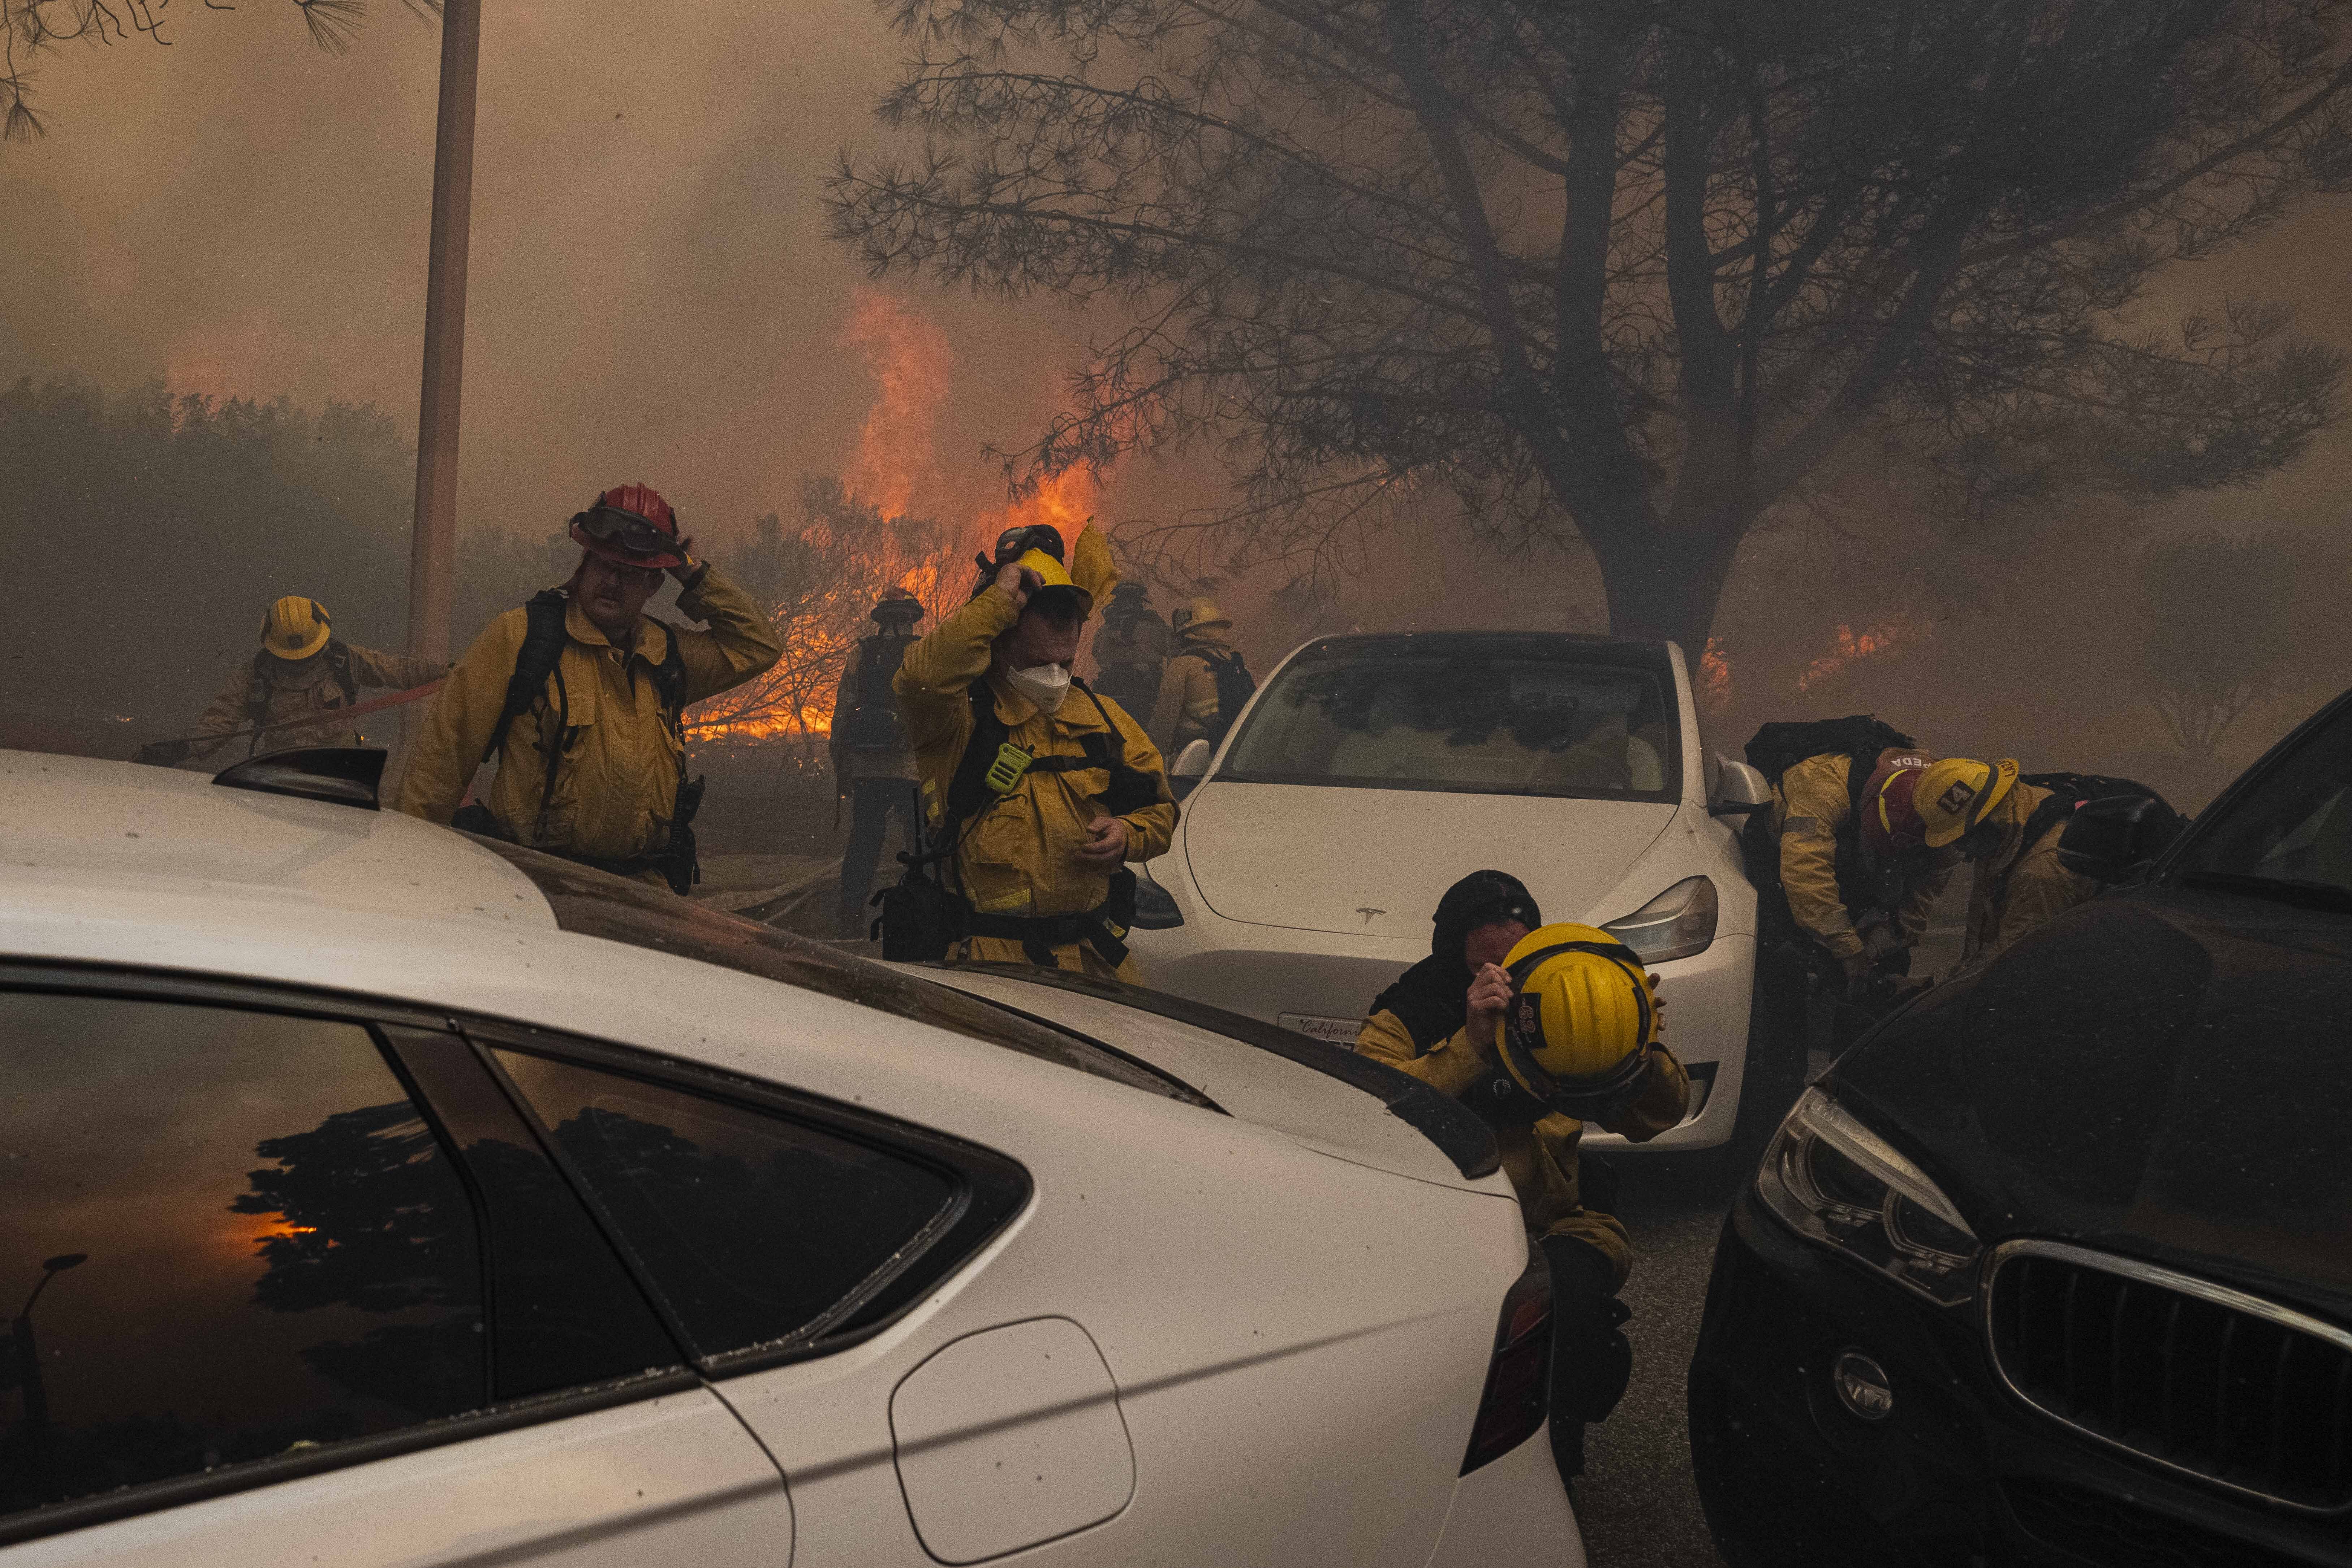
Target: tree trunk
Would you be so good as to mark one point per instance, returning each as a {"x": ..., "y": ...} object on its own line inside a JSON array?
[{"x": 1663, "y": 585}]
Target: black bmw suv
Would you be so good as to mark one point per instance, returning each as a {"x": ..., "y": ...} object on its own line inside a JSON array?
[{"x": 2055, "y": 1266}]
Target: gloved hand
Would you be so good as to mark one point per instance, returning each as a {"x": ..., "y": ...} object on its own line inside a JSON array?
[{"x": 1883, "y": 945}]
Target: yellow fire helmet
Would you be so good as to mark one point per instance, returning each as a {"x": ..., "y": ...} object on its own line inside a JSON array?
[
  {"x": 1957, "y": 794},
  {"x": 1056, "y": 578},
  {"x": 1199, "y": 615},
  {"x": 295, "y": 628},
  {"x": 1582, "y": 1020}
]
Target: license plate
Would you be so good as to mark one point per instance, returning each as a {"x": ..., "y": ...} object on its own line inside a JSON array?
[{"x": 1336, "y": 1031}]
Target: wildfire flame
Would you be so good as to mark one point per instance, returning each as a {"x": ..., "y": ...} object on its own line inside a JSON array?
[
  {"x": 1714, "y": 678},
  {"x": 1850, "y": 647},
  {"x": 910, "y": 360}
]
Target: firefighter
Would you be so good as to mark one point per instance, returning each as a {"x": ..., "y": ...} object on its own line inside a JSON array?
[
  {"x": 302, "y": 669},
  {"x": 873, "y": 767},
  {"x": 2008, "y": 831},
  {"x": 1827, "y": 905},
  {"x": 1131, "y": 650},
  {"x": 1540, "y": 1029},
  {"x": 1036, "y": 797},
  {"x": 1205, "y": 683},
  {"x": 579, "y": 695}
]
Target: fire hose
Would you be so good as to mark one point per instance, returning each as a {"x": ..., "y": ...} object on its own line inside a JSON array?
[{"x": 168, "y": 753}]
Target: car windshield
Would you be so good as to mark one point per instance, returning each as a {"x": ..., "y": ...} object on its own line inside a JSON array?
[
  {"x": 2292, "y": 828},
  {"x": 1479, "y": 721}
]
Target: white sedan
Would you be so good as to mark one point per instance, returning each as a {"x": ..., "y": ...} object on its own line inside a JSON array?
[
  {"x": 370, "y": 1195},
  {"x": 1371, "y": 772}
]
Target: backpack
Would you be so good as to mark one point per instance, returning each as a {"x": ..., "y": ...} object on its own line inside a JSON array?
[
  {"x": 872, "y": 724},
  {"x": 1235, "y": 687},
  {"x": 266, "y": 666},
  {"x": 1775, "y": 749},
  {"x": 541, "y": 655},
  {"x": 2115, "y": 826}
]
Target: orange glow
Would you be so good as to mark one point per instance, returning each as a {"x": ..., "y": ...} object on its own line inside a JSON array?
[
  {"x": 1714, "y": 678},
  {"x": 1850, "y": 647},
  {"x": 1067, "y": 500},
  {"x": 909, "y": 359}
]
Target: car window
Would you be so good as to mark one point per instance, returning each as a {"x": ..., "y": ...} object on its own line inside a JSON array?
[
  {"x": 2291, "y": 825},
  {"x": 223, "y": 1237},
  {"x": 567, "y": 1313},
  {"x": 592, "y": 903},
  {"x": 1463, "y": 720},
  {"x": 753, "y": 1227}
]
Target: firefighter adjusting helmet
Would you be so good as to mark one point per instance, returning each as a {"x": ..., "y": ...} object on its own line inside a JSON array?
[
  {"x": 1890, "y": 811},
  {"x": 630, "y": 525},
  {"x": 1957, "y": 795},
  {"x": 295, "y": 628},
  {"x": 1053, "y": 582},
  {"x": 1198, "y": 615},
  {"x": 1582, "y": 1021}
]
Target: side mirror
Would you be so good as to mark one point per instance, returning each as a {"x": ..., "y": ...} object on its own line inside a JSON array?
[
  {"x": 1192, "y": 762},
  {"x": 1739, "y": 789}
]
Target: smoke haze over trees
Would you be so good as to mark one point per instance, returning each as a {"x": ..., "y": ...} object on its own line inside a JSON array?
[{"x": 1633, "y": 272}]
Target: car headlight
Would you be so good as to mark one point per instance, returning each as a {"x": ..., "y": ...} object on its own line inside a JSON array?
[
  {"x": 1154, "y": 909},
  {"x": 1677, "y": 923},
  {"x": 1834, "y": 1180}
]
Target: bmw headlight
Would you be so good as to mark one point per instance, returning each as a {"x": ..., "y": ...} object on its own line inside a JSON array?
[
  {"x": 1834, "y": 1180},
  {"x": 1677, "y": 923}
]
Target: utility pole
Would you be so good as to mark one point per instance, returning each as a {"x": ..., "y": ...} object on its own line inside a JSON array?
[{"x": 434, "y": 544}]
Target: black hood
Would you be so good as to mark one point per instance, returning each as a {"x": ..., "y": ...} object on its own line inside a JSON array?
[{"x": 2161, "y": 1072}]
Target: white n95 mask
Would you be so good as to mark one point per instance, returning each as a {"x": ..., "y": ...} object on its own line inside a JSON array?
[{"x": 1042, "y": 684}]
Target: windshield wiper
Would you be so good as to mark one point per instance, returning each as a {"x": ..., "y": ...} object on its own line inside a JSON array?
[{"x": 2293, "y": 890}]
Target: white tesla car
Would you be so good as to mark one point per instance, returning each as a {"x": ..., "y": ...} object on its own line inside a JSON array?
[
  {"x": 370, "y": 1195},
  {"x": 1371, "y": 772}
]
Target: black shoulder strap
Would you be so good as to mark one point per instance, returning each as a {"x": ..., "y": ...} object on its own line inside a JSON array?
[
  {"x": 2060, "y": 805},
  {"x": 969, "y": 788},
  {"x": 257, "y": 692},
  {"x": 339, "y": 665},
  {"x": 1130, "y": 789},
  {"x": 669, "y": 678},
  {"x": 542, "y": 649}
]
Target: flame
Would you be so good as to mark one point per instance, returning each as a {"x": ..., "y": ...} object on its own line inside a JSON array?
[
  {"x": 1850, "y": 647},
  {"x": 1714, "y": 678},
  {"x": 1066, "y": 500},
  {"x": 909, "y": 359}
]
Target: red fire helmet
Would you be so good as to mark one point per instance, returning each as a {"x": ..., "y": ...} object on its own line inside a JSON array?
[{"x": 630, "y": 524}]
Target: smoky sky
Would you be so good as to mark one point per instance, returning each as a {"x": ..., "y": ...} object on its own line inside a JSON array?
[{"x": 652, "y": 296}]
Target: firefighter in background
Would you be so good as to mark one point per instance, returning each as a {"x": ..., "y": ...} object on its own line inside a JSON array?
[
  {"x": 1131, "y": 650},
  {"x": 579, "y": 697},
  {"x": 873, "y": 766},
  {"x": 1540, "y": 1029},
  {"x": 2008, "y": 831},
  {"x": 303, "y": 671},
  {"x": 1036, "y": 797},
  {"x": 1205, "y": 683}
]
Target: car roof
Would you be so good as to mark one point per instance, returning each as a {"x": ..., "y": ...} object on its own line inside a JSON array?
[
  {"x": 90, "y": 823},
  {"x": 1490, "y": 643}
]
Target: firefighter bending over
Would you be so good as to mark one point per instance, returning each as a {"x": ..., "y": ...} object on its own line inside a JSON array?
[
  {"x": 303, "y": 672},
  {"x": 1037, "y": 794},
  {"x": 1540, "y": 1029},
  {"x": 579, "y": 695}
]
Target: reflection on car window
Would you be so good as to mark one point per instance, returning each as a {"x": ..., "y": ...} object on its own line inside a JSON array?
[
  {"x": 226, "y": 1237},
  {"x": 751, "y": 1226},
  {"x": 1470, "y": 721},
  {"x": 2293, "y": 825},
  {"x": 617, "y": 909}
]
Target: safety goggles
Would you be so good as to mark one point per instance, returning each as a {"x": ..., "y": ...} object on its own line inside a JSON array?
[
  {"x": 1015, "y": 542},
  {"x": 622, "y": 530}
]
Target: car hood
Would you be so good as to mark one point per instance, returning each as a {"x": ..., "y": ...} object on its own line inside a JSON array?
[
  {"x": 1374, "y": 862},
  {"x": 2161, "y": 1072}
]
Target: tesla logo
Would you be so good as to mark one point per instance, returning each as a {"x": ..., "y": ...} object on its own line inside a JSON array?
[{"x": 1369, "y": 912}]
